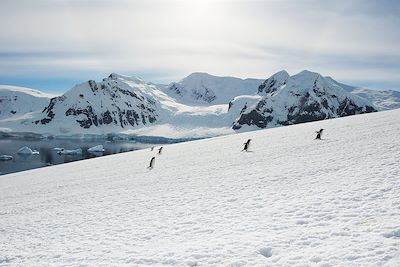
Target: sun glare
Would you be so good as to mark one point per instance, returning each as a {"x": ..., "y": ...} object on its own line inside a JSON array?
[{"x": 199, "y": 14}]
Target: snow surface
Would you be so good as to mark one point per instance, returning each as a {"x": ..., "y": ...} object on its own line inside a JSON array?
[{"x": 290, "y": 201}]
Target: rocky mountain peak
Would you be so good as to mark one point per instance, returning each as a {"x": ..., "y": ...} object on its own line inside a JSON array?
[{"x": 272, "y": 84}]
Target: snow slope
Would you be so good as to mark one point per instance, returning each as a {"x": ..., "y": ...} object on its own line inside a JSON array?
[
  {"x": 16, "y": 101},
  {"x": 290, "y": 201}
]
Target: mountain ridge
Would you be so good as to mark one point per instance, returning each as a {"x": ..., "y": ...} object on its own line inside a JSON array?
[{"x": 128, "y": 104}]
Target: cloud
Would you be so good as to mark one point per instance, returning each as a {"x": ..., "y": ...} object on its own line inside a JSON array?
[{"x": 349, "y": 40}]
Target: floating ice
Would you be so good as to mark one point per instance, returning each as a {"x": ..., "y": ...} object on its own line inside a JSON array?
[
  {"x": 5, "y": 157},
  {"x": 26, "y": 151},
  {"x": 98, "y": 148},
  {"x": 71, "y": 151}
]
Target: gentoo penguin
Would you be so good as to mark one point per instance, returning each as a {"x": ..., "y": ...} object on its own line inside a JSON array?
[
  {"x": 152, "y": 161},
  {"x": 246, "y": 145},
  {"x": 319, "y": 133}
]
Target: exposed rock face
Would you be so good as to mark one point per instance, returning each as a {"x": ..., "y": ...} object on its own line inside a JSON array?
[
  {"x": 117, "y": 100},
  {"x": 49, "y": 111},
  {"x": 304, "y": 97}
]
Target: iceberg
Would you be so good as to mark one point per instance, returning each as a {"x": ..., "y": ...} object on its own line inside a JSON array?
[
  {"x": 70, "y": 151},
  {"x": 98, "y": 148},
  {"x": 25, "y": 151},
  {"x": 5, "y": 157}
]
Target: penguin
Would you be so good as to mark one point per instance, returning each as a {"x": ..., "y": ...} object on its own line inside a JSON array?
[
  {"x": 246, "y": 145},
  {"x": 319, "y": 134},
  {"x": 152, "y": 148},
  {"x": 159, "y": 150},
  {"x": 152, "y": 161}
]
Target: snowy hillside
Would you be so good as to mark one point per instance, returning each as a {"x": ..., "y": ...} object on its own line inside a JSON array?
[
  {"x": 205, "y": 89},
  {"x": 290, "y": 201},
  {"x": 304, "y": 97},
  {"x": 16, "y": 101}
]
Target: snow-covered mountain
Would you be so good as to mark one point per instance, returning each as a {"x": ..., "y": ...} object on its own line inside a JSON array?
[
  {"x": 205, "y": 89},
  {"x": 129, "y": 105},
  {"x": 289, "y": 201},
  {"x": 16, "y": 101},
  {"x": 304, "y": 97},
  {"x": 121, "y": 104},
  {"x": 117, "y": 100},
  {"x": 382, "y": 99}
]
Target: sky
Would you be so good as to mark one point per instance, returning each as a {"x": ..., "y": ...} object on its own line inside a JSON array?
[{"x": 52, "y": 45}]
